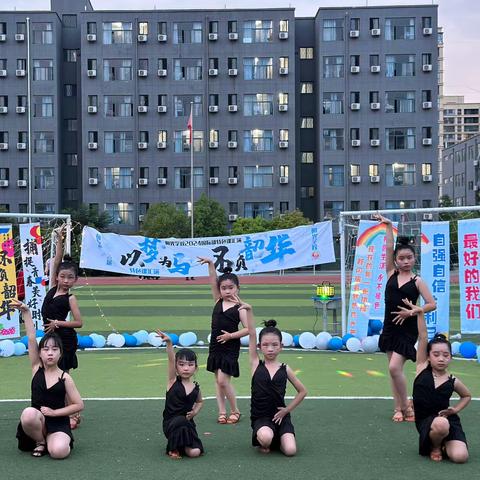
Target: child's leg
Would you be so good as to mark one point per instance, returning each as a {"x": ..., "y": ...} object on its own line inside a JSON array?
[
  {"x": 438, "y": 431},
  {"x": 399, "y": 382},
  {"x": 222, "y": 409},
  {"x": 288, "y": 445},
  {"x": 265, "y": 437},
  {"x": 33, "y": 424},
  {"x": 457, "y": 451},
  {"x": 192, "y": 452},
  {"x": 226, "y": 387},
  {"x": 58, "y": 445}
]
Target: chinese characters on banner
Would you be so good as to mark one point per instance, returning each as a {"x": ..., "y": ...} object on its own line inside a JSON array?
[
  {"x": 368, "y": 277},
  {"x": 9, "y": 318},
  {"x": 33, "y": 274},
  {"x": 254, "y": 253},
  {"x": 469, "y": 272},
  {"x": 435, "y": 271}
]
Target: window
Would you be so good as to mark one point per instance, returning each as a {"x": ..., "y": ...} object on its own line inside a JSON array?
[
  {"x": 143, "y": 64},
  {"x": 400, "y": 138},
  {"x": 283, "y": 135},
  {"x": 426, "y": 168},
  {"x": 120, "y": 213},
  {"x": 400, "y": 65},
  {"x": 257, "y": 68},
  {"x": 93, "y": 172},
  {"x": 284, "y": 171},
  {"x": 374, "y": 133},
  {"x": 118, "y": 177},
  {"x": 43, "y": 70},
  {"x": 258, "y": 104},
  {"x": 44, "y": 208},
  {"x": 118, "y": 142},
  {"x": 43, "y": 106},
  {"x": 400, "y": 174},
  {"x": 355, "y": 133},
  {"x": 143, "y": 28},
  {"x": 306, "y": 122},
  {"x": 333, "y": 29},
  {"x": 333, "y": 67},
  {"x": 374, "y": 23},
  {"x": 307, "y": 157},
  {"x": 70, "y": 90},
  {"x": 69, "y": 21},
  {"x": 42, "y": 33},
  {"x": 143, "y": 100},
  {"x": 117, "y": 69},
  {"x": 374, "y": 60},
  {"x": 3, "y": 28},
  {"x": 283, "y": 63},
  {"x": 162, "y": 136},
  {"x": 257, "y": 140},
  {"x": 426, "y": 95},
  {"x": 3, "y": 100},
  {"x": 233, "y": 135},
  {"x": 22, "y": 137},
  {"x": 354, "y": 60},
  {"x": 257, "y": 31},
  {"x": 283, "y": 26},
  {"x": 118, "y": 106},
  {"x": 23, "y": 173},
  {"x": 258, "y": 177},
  {"x": 43, "y": 142},
  {"x": 233, "y": 208},
  {"x": 307, "y": 192},
  {"x": 162, "y": 172},
  {"x": 232, "y": 26},
  {"x": 70, "y": 56},
  {"x": 283, "y": 98},
  {"x": 333, "y": 139},
  {"x": 400, "y": 102},
  {"x": 374, "y": 96},
  {"x": 284, "y": 207},
  {"x": 213, "y": 100},
  {"x": 426, "y": 58},
  {"x": 71, "y": 124},
  {"x": 44, "y": 178},
  {"x": 162, "y": 100},
  {"x": 400, "y": 28},
  {"x": 426, "y": 22},
  {"x": 332, "y": 209},
  {"x": 213, "y": 27},
  {"x": 182, "y": 177},
  {"x": 427, "y": 132},
  {"x": 306, "y": 53},
  {"x": 213, "y": 63},
  {"x": 306, "y": 88},
  {"x": 162, "y": 28},
  {"x": 182, "y": 103},
  {"x": 92, "y": 28},
  {"x": 355, "y": 24},
  {"x": 117, "y": 32},
  {"x": 71, "y": 159},
  {"x": 21, "y": 63},
  {"x": 143, "y": 136},
  {"x": 332, "y": 103},
  {"x": 187, "y": 68},
  {"x": 258, "y": 209},
  {"x": 232, "y": 63},
  {"x": 182, "y": 141},
  {"x": 232, "y": 99},
  {"x": 4, "y": 174},
  {"x": 233, "y": 171},
  {"x": 333, "y": 175},
  {"x": 187, "y": 32},
  {"x": 354, "y": 170}
]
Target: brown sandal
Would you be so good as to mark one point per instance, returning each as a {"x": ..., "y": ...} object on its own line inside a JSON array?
[
  {"x": 436, "y": 455},
  {"x": 398, "y": 416},
  {"x": 222, "y": 418},
  {"x": 233, "y": 418}
]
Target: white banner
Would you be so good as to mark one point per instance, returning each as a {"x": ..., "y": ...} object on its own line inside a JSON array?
[
  {"x": 33, "y": 273},
  {"x": 253, "y": 253}
]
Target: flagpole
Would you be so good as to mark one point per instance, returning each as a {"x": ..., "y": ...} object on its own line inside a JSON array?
[{"x": 191, "y": 170}]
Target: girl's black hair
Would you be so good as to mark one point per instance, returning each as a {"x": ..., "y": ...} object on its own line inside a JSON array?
[
  {"x": 439, "y": 338},
  {"x": 403, "y": 243},
  {"x": 57, "y": 341},
  {"x": 187, "y": 355},
  {"x": 68, "y": 264},
  {"x": 228, "y": 275},
  {"x": 270, "y": 327}
]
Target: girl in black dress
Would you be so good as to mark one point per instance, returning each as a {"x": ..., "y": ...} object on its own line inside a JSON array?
[
  {"x": 45, "y": 426},
  {"x": 270, "y": 417},
  {"x": 400, "y": 332},
  {"x": 182, "y": 403},
  {"x": 437, "y": 422},
  {"x": 225, "y": 339}
]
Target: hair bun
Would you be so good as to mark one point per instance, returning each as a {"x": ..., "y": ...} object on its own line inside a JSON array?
[
  {"x": 67, "y": 258},
  {"x": 227, "y": 270},
  {"x": 403, "y": 241},
  {"x": 270, "y": 323},
  {"x": 440, "y": 336}
]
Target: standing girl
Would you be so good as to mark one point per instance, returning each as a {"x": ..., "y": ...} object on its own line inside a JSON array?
[
  {"x": 45, "y": 425},
  {"x": 400, "y": 330},
  {"x": 437, "y": 423},
  {"x": 182, "y": 403},
  {"x": 270, "y": 417},
  {"x": 225, "y": 339}
]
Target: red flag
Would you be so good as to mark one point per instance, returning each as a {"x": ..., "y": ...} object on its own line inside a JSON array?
[{"x": 190, "y": 126}]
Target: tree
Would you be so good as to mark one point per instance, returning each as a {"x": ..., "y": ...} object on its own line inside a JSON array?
[
  {"x": 289, "y": 220},
  {"x": 209, "y": 218},
  {"x": 164, "y": 220},
  {"x": 87, "y": 216},
  {"x": 250, "y": 225}
]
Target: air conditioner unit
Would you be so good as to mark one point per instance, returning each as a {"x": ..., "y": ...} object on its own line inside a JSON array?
[
  {"x": 142, "y": 109},
  {"x": 233, "y": 36},
  {"x": 375, "y": 32},
  {"x": 374, "y": 142},
  {"x": 212, "y": 72},
  {"x": 142, "y": 145},
  {"x": 3, "y": 109},
  {"x": 3, "y": 73},
  {"x": 375, "y": 179},
  {"x": 20, "y": 73},
  {"x": 92, "y": 109},
  {"x": 356, "y": 216},
  {"x": 426, "y": 141},
  {"x": 142, "y": 38},
  {"x": 233, "y": 72},
  {"x": 427, "y": 68},
  {"x": 143, "y": 181},
  {"x": 161, "y": 145},
  {"x": 91, "y": 73},
  {"x": 232, "y": 108},
  {"x": 91, "y": 37},
  {"x": 21, "y": 183},
  {"x": 375, "y": 106},
  {"x": 283, "y": 35},
  {"x": 20, "y": 109},
  {"x": 232, "y": 180},
  {"x": 283, "y": 107},
  {"x": 162, "y": 72},
  {"x": 212, "y": 144},
  {"x": 232, "y": 144},
  {"x": 92, "y": 145},
  {"x": 354, "y": 33},
  {"x": 3, "y": 37},
  {"x": 427, "y": 178},
  {"x": 161, "y": 37},
  {"x": 428, "y": 216},
  {"x": 213, "y": 180},
  {"x": 355, "y": 143},
  {"x": 3, "y": 183},
  {"x": 427, "y": 31},
  {"x": 142, "y": 73},
  {"x": 283, "y": 144},
  {"x": 232, "y": 217},
  {"x": 3, "y": 146},
  {"x": 283, "y": 71},
  {"x": 283, "y": 180},
  {"x": 213, "y": 37},
  {"x": 356, "y": 179},
  {"x": 213, "y": 108},
  {"x": 161, "y": 181},
  {"x": 93, "y": 181},
  {"x": 426, "y": 105},
  {"x": 475, "y": 188},
  {"x": 354, "y": 106},
  {"x": 21, "y": 146},
  {"x": 141, "y": 218},
  {"x": 375, "y": 68},
  {"x": 354, "y": 69},
  {"x": 162, "y": 109},
  {"x": 19, "y": 37}
]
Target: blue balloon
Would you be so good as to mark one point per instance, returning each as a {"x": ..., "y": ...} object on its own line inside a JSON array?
[
  {"x": 187, "y": 339},
  {"x": 141, "y": 336},
  {"x": 24, "y": 340},
  {"x": 20, "y": 348},
  {"x": 98, "y": 340},
  {"x": 335, "y": 343},
  {"x": 174, "y": 338},
  {"x": 369, "y": 331},
  {"x": 346, "y": 337},
  {"x": 130, "y": 340},
  {"x": 376, "y": 326},
  {"x": 39, "y": 333},
  {"x": 468, "y": 349},
  {"x": 296, "y": 340}
]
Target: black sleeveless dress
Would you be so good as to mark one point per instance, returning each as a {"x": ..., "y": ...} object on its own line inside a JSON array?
[
  {"x": 399, "y": 338},
  {"x": 267, "y": 395},
  {"x": 54, "y": 398},
  {"x": 179, "y": 431},
  {"x": 57, "y": 308},
  {"x": 224, "y": 356},
  {"x": 427, "y": 402}
]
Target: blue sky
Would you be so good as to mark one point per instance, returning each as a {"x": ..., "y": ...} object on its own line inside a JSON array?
[{"x": 460, "y": 20}]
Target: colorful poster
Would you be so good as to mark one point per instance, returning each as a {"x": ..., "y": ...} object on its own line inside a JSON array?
[
  {"x": 33, "y": 273},
  {"x": 469, "y": 275},
  {"x": 9, "y": 318},
  {"x": 435, "y": 272},
  {"x": 368, "y": 277},
  {"x": 254, "y": 253}
]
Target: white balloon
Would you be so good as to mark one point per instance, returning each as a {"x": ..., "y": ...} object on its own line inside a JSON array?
[
  {"x": 209, "y": 337},
  {"x": 369, "y": 345},
  {"x": 200, "y": 343},
  {"x": 455, "y": 348},
  {"x": 7, "y": 348},
  {"x": 322, "y": 340},
  {"x": 154, "y": 340},
  {"x": 287, "y": 339},
  {"x": 307, "y": 340},
  {"x": 118, "y": 340},
  {"x": 353, "y": 344},
  {"x": 244, "y": 341},
  {"x": 187, "y": 339},
  {"x": 110, "y": 339}
]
